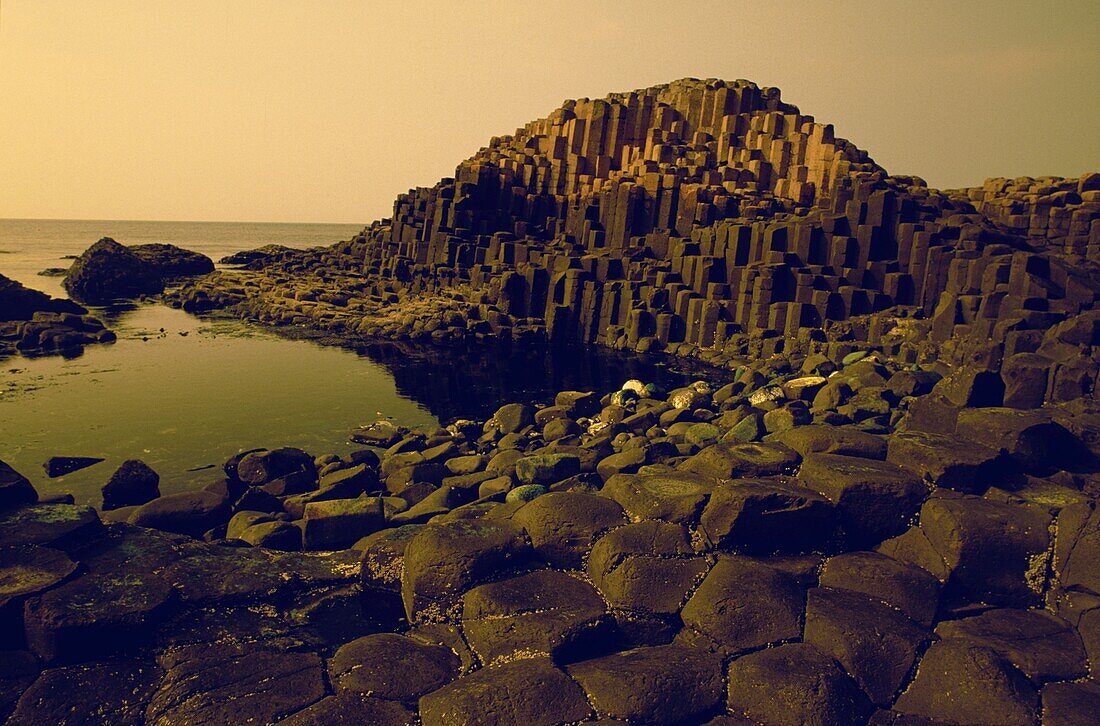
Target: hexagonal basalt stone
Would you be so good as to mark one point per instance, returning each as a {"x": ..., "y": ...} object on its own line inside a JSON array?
[
  {"x": 663, "y": 684},
  {"x": 543, "y": 613},
  {"x": 876, "y": 644},
  {"x": 674, "y": 497},
  {"x": 107, "y": 693},
  {"x": 874, "y": 499},
  {"x": 910, "y": 589},
  {"x": 764, "y": 516},
  {"x": 443, "y": 560},
  {"x": 1043, "y": 646},
  {"x": 392, "y": 666},
  {"x": 531, "y": 692},
  {"x": 233, "y": 683},
  {"x": 824, "y": 439},
  {"x": 743, "y": 604},
  {"x": 563, "y": 525},
  {"x": 960, "y": 682},
  {"x": 29, "y": 569},
  {"x": 352, "y": 708},
  {"x": 645, "y": 566},
  {"x": 96, "y": 614},
  {"x": 730, "y": 461},
  {"x": 793, "y": 685}
]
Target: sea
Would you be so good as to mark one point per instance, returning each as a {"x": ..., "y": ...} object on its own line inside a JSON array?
[{"x": 183, "y": 393}]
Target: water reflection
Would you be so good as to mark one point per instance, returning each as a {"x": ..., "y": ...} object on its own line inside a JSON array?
[{"x": 184, "y": 393}]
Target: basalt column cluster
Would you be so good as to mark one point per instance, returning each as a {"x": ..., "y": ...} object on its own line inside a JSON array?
[{"x": 712, "y": 213}]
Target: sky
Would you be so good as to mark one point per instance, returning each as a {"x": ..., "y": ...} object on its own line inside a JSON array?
[{"x": 324, "y": 111}]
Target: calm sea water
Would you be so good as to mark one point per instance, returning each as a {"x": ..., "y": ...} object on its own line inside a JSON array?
[{"x": 182, "y": 393}]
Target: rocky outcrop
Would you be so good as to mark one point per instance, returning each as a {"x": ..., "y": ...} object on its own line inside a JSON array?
[
  {"x": 107, "y": 270},
  {"x": 171, "y": 262},
  {"x": 33, "y": 323},
  {"x": 713, "y": 220}
]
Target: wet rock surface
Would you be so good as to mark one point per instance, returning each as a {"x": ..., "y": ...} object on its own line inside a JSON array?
[{"x": 883, "y": 510}]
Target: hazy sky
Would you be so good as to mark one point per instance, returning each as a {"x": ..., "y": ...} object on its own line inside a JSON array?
[{"x": 324, "y": 111}]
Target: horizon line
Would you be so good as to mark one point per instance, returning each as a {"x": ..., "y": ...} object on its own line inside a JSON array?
[{"x": 176, "y": 221}]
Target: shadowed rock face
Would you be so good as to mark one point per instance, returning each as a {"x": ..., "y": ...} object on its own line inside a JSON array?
[
  {"x": 107, "y": 270},
  {"x": 870, "y": 518}
]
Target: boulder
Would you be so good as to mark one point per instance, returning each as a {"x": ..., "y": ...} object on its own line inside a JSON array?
[
  {"x": 547, "y": 468},
  {"x": 21, "y": 303},
  {"x": 134, "y": 483},
  {"x": 57, "y": 466},
  {"x": 529, "y": 691},
  {"x": 170, "y": 261},
  {"x": 107, "y": 271},
  {"x": 15, "y": 489},
  {"x": 339, "y": 523},
  {"x": 512, "y": 418},
  {"x": 663, "y": 684},
  {"x": 261, "y": 467},
  {"x": 190, "y": 513}
]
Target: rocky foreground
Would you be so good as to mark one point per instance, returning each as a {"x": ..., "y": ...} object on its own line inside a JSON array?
[
  {"x": 885, "y": 512},
  {"x": 792, "y": 548}
]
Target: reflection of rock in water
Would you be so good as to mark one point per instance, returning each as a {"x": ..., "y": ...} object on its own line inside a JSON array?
[{"x": 472, "y": 382}]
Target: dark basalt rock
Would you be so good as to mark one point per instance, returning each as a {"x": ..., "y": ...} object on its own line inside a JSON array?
[
  {"x": 134, "y": 483},
  {"x": 530, "y": 691},
  {"x": 664, "y": 684},
  {"x": 544, "y": 613},
  {"x": 233, "y": 683},
  {"x": 57, "y": 466},
  {"x": 259, "y": 255},
  {"x": 744, "y": 605},
  {"x": 15, "y": 489},
  {"x": 107, "y": 271},
  {"x": 21, "y": 303},
  {"x": 170, "y": 261},
  {"x": 110, "y": 693},
  {"x": 794, "y": 684},
  {"x": 392, "y": 666},
  {"x": 965, "y": 683}
]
